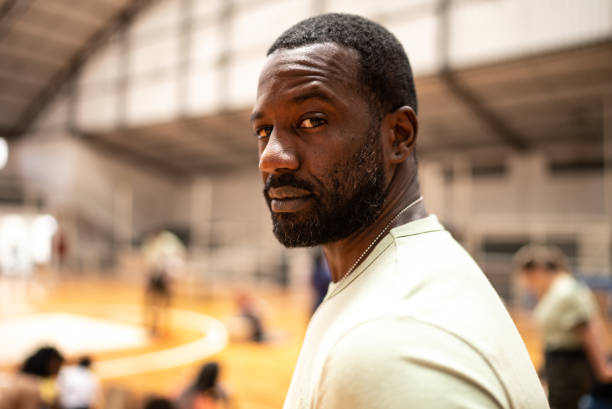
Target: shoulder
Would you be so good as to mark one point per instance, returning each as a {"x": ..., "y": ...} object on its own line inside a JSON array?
[
  {"x": 393, "y": 362},
  {"x": 437, "y": 257},
  {"x": 27, "y": 383},
  {"x": 567, "y": 292},
  {"x": 438, "y": 247},
  {"x": 581, "y": 295}
]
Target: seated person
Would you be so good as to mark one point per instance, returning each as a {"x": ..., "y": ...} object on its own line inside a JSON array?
[
  {"x": 205, "y": 392},
  {"x": 33, "y": 387}
]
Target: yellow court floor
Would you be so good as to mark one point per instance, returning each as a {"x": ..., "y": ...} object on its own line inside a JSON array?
[{"x": 255, "y": 375}]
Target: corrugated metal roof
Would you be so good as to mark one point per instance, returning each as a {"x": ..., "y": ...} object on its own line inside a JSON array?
[
  {"x": 550, "y": 103},
  {"x": 41, "y": 42}
]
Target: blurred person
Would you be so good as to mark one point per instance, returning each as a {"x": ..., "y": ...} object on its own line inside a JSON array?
[
  {"x": 78, "y": 385},
  {"x": 284, "y": 271},
  {"x": 47, "y": 362},
  {"x": 206, "y": 391},
  {"x": 164, "y": 255},
  {"x": 575, "y": 355},
  {"x": 60, "y": 249},
  {"x": 319, "y": 279},
  {"x": 251, "y": 315},
  {"x": 410, "y": 321},
  {"x": 247, "y": 324},
  {"x": 158, "y": 300},
  {"x": 33, "y": 387},
  {"x": 158, "y": 402}
]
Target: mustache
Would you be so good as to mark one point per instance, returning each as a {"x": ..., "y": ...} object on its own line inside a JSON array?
[{"x": 286, "y": 179}]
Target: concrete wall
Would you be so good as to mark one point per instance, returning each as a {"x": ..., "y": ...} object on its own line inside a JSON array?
[
  {"x": 528, "y": 201},
  {"x": 102, "y": 202}
]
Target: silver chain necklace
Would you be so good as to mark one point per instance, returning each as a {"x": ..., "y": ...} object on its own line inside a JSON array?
[{"x": 383, "y": 231}]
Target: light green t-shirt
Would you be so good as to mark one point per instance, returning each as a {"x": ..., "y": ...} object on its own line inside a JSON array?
[
  {"x": 567, "y": 304},
  {"x": 416, "y": 325}
]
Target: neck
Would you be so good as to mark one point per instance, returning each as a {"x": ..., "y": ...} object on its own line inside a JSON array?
[{"x": 342, "y": 254}]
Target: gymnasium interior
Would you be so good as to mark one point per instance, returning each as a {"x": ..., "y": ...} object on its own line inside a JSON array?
[{"x": 120, "y": 119}]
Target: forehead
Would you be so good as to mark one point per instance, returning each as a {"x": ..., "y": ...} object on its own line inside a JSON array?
[{"x": 329, "y": 66}]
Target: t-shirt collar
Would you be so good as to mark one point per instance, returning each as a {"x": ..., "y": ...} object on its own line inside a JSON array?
[{"x": 419, "y": 226}]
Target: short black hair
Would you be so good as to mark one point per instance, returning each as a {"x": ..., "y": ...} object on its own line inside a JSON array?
[
  {"x": 39, "y": 363},
  {"x": 158, "y": 402},
  {"x": 85, "y": 361},
  {"x": 385, "y": 69},
  {"x": 207, "y": 378}
]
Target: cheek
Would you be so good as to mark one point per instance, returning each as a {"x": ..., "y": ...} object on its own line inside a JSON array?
[
  {"x": 261, "y": 146},
  {"x": 339, "y": 176},
  {"x": 531, "y": 282}
]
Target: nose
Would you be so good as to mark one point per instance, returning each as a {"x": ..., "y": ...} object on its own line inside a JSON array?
[{"x": 278, "y": 154}]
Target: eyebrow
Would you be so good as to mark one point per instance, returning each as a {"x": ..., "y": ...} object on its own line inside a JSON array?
[
  {"x": 298, "y": 99},
  {"x": 312, "y": 95},
  {"x": 256, "y": 115}
]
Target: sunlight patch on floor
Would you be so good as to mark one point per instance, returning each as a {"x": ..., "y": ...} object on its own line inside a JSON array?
[{"x": 71, "y": 333}]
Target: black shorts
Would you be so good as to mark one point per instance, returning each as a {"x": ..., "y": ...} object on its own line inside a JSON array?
[
  {"x": 569, "y": 376},
  {"x": 158, "y": 284}
]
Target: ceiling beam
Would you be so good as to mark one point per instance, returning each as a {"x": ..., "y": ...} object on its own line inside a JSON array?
[
  {"x": 36, "y": 33},
  {"x": 20, "y": 81},
  {"x": 481, "y": 110},
  {"x": 6, "y": 9},
  {"x": 78, "y": 60},
  {"x": 586, "y": 140},
  {"x": 475, "y": 103},
  {"x": 10, "y": 11},
  {"x": 31, "y": 58},
  {"x": 8, "y": 133},
  {"x": 224, "y": 136},
  {"x": 131, "y": 156}
]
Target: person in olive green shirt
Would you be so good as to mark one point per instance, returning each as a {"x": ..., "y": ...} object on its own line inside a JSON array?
[{"x": 571, "y": 327}]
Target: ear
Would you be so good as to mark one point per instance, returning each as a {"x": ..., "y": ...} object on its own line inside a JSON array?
[{"x": 403, "y": 127}]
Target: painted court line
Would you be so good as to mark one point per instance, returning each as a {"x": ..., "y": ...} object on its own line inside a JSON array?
[{"x": 214, "y": 339}]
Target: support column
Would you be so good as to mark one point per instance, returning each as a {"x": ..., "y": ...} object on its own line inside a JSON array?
[
  {"x": 123, "y": 77},
  {"x": 186, "y": 42},
  {"x": 318, "y": 7},
  {"x": 201, "y": 210},
  {"x": 462, "y": 192},
  {"x": 123, "y": 215},
  {"x": 607, "y": 161},
  {"x": 224, "y": 61}
]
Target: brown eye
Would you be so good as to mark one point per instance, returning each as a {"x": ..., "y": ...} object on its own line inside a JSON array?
[
  {"x": 263, "y": 132},
  {"x": 312, "y": 123}
]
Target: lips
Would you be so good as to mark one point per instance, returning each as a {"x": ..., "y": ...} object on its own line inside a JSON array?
[
  {"x": 287, "y": 192},
  {"x": 286, "y": 199}
]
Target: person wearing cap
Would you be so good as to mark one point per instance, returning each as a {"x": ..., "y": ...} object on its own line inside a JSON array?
[{"x": 566, "y": 312}]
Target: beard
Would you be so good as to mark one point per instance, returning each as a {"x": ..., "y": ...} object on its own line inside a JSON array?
[{"x": 350, "y": 199}]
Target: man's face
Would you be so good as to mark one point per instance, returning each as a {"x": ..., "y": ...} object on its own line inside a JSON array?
[{"x": 320, "y": 153}]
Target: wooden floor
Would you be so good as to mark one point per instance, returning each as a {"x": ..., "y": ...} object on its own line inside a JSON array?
[{"x": 256, "y": 376}]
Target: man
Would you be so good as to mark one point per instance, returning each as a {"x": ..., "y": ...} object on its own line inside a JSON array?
[{"x": 409, "y": 321}]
